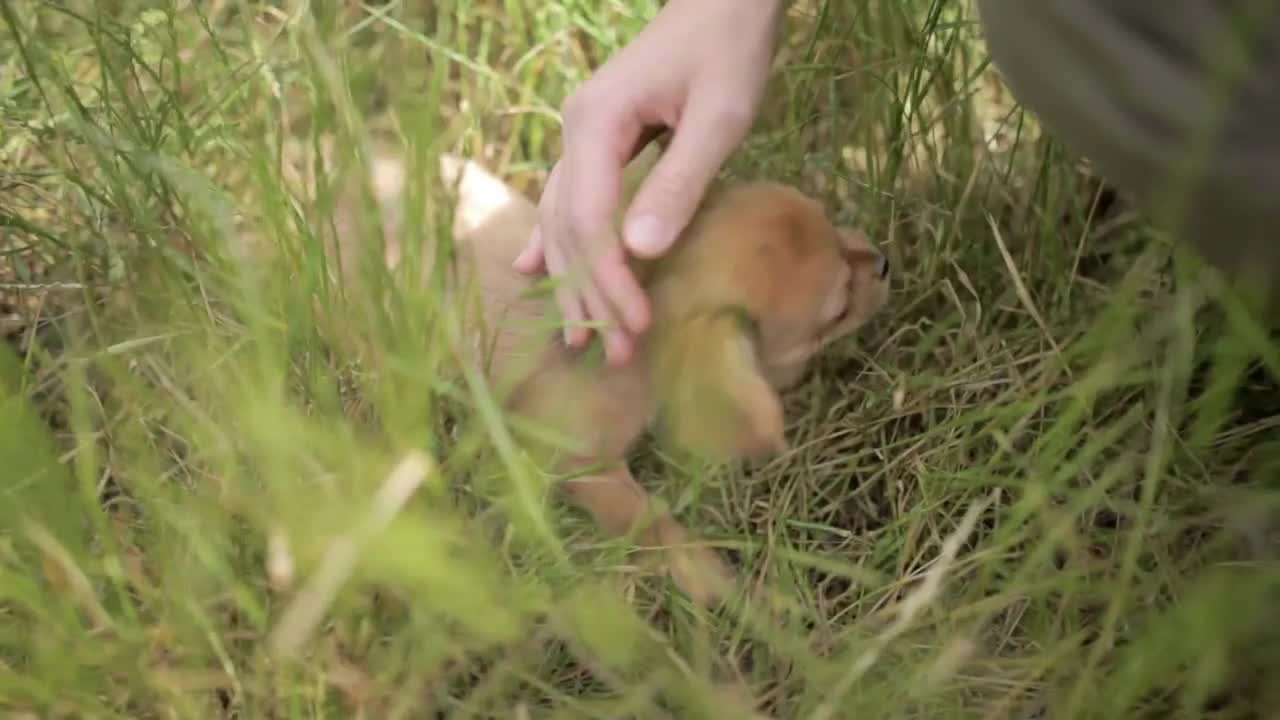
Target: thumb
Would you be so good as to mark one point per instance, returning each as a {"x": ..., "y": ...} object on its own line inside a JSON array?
[{"x": 667, "y": 199}]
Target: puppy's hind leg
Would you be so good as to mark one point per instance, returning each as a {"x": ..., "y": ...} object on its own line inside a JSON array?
[{"x": 619, "y": 505}]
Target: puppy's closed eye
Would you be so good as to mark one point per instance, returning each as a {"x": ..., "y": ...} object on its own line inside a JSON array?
[{"x": 840, "y": 317}]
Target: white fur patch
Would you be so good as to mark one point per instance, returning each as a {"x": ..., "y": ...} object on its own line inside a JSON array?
[{"x": 480, "y": 193}]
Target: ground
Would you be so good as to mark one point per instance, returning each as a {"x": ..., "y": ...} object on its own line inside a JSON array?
[{"x": 1042, "y": 484}]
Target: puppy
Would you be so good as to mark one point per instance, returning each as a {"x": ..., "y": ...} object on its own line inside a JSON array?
[{"x": 760, "y": 281}]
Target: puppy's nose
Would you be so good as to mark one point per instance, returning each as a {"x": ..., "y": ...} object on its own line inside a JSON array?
[{"x": 884, "y": 266}]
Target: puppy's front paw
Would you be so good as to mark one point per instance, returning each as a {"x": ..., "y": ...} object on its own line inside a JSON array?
[{"x": 701, "y": 574}]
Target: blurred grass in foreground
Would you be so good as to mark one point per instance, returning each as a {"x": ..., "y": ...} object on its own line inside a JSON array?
[{"x": 1046, "y": 480}]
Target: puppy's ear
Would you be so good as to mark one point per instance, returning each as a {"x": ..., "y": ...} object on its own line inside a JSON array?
[{"x": 715, "y": 399}]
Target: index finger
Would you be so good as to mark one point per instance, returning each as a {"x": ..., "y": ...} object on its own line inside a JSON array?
[{"x": 592, "y": 184}]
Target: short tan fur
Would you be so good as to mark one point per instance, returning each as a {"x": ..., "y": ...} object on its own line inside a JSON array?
[{"x": 760, "y": 281}]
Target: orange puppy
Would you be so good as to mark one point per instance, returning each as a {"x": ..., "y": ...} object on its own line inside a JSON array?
[{"x": 760, "y": 281}]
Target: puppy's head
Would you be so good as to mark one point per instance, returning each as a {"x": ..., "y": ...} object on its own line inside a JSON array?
[{"x": 761, "y": 281}]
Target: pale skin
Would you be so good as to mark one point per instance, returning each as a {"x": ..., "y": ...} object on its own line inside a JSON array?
[{"x": 700, "y": 68}]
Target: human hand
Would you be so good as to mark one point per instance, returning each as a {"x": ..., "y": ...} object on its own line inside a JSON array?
[{"x": 700, "y": 68}]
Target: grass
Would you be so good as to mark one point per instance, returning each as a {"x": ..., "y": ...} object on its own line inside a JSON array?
[{"x": 1042, "y": 485}]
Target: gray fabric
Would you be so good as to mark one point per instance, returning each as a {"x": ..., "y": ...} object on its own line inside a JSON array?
[{"x": 1138, "y": 87}]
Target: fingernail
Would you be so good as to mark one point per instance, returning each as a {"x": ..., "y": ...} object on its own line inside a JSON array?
[
  {"x": 645, "y": 236},
  {"x": 575, "y": 336},
  {"x": 522, "y": 259},
  {"x": 617, "y": 349}
]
